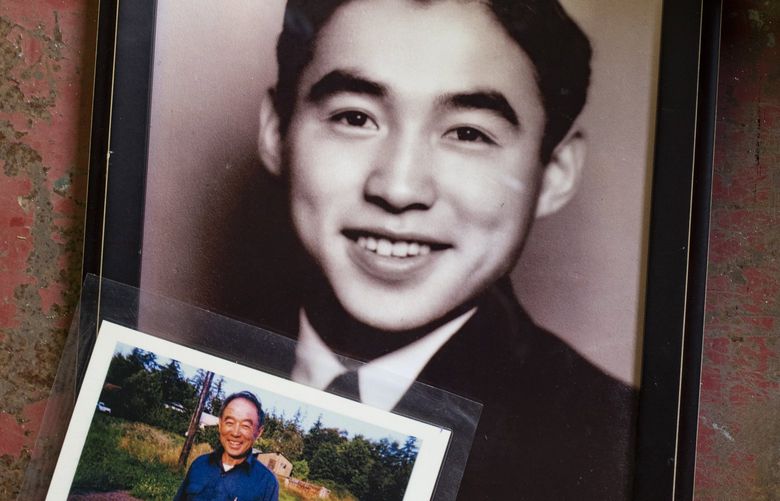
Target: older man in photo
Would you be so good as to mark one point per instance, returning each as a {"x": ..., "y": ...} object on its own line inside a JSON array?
[{"x": 232, "y": 472}]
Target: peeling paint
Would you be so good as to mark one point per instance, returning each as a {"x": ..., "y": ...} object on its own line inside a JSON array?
[
  {"x": 723, "y": 431},
  {"x": 40, "y": 241},
  {"x": 737, "y": 452},
  {"x": 61, "y": 185}
]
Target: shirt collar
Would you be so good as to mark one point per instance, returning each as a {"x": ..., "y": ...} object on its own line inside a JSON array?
[
  {"x": 216, "y": 458},
  {"x": 383, "y": 381}
]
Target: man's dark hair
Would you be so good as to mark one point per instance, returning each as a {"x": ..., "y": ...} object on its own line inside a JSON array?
[
  {"x": 249, "y": 396},
  {"x": 557, "y": 47}
]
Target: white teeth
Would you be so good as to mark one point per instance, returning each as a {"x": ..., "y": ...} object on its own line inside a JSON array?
[
  {"x": 387, "y": 248},
  {"x": 400, "y": 248},
  {"x": 384, "y": 247}
]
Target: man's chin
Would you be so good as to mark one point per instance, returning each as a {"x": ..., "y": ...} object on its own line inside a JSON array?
[
  {"x": 366, "y": 326},
  {"x": 394, "y": 326},
  {"x": 237, "y": 454},
  {"x": 403, "y": 320}
]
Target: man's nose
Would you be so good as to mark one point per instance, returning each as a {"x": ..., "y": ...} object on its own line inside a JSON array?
[{"x": 401, "y": 178}]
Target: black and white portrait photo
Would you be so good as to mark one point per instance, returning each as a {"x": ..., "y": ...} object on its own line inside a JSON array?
[{"x": 452, "y": 192}]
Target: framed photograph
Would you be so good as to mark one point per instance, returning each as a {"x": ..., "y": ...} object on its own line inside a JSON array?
[
  {"x": 130, "y": 425},
  {"x": 507, "y": 200}
]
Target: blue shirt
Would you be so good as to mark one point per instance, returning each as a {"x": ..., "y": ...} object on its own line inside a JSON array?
[{"x": 246, "y": 481}]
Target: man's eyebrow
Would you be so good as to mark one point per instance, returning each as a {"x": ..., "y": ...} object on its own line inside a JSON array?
[
  {"x": 482, "y": 100},
  {"x": 339, "y": 81}
]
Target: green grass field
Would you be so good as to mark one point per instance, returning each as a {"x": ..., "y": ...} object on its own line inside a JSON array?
[
  {"x": 121, "y": 455},
  {"x": 285, "y": 495}
]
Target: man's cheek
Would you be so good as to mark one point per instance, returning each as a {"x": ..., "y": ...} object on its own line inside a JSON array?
[
  {"x": 310, "y": 189},
  {"x": 481, "y": 204}
]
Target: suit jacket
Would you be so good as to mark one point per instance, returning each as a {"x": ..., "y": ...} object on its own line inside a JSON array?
[{"x": 553, "y": 426}]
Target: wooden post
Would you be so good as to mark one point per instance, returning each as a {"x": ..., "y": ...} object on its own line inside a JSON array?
[{"x": 195, "y": 420}]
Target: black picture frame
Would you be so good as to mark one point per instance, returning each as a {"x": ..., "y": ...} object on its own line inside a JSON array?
[{"x": 677, "y": 250}]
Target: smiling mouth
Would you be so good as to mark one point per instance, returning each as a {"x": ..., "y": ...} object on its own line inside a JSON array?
[{"x": 386, "y": 246}]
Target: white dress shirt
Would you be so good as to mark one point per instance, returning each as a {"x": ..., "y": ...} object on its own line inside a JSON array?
[{"x": 384, "y": 380}]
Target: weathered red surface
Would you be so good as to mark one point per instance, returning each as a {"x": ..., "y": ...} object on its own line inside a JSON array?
[
  {"x": 739, "y": 418},
  {"x": 43, "y": 55}
]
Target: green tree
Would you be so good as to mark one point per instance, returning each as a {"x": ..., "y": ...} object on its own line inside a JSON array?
[
  {"x": 143, "y": 359},
  {"x": 273, "y": 424},
  {"x": 120, "y": 369},
  {"x": 347, "y": 464},
  {"x": 283, "y": 436},
  {"x": 288, "y": 443},
  {"x": 141, "y": 397},
  {"x": 175, "y": 387},
  {"x": 210, "y": 435},
  {"x": 149, "y": 392},
  {"x": 218, "y": 396},
  {"x": 409, "y": 450},
  {"x": 300, "y": 469},
  {"x": 325, "y": 463},
  {"x": 369, "y": 470},
  {"x": 356, "y": 462},
  {"x": 391, "y": 469},
  {"x": 318, "y": 436},
  {"x": 197, "y": 380}
]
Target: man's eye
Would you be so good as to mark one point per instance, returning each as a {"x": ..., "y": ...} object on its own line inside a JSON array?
[
  {"x": 470, "y": 135},
  {"x": 354, "y": 119}
]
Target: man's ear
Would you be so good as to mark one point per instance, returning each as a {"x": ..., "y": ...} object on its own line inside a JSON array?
[
  {"x": 269, "y": 141},
  {"x": 562, "y": 174}
]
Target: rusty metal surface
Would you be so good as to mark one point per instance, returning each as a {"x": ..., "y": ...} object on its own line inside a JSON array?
[
  {"x": 43, "y": 139},
  {"x": 739, "y": 419},
  {"x": 45, "y": 72}
]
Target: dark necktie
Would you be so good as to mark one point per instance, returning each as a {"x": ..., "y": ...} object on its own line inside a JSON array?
[{"x": 346, "y": 385}]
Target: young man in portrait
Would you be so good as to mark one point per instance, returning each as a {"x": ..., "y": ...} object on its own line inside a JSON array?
[{"x": 417, "y": 142}]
